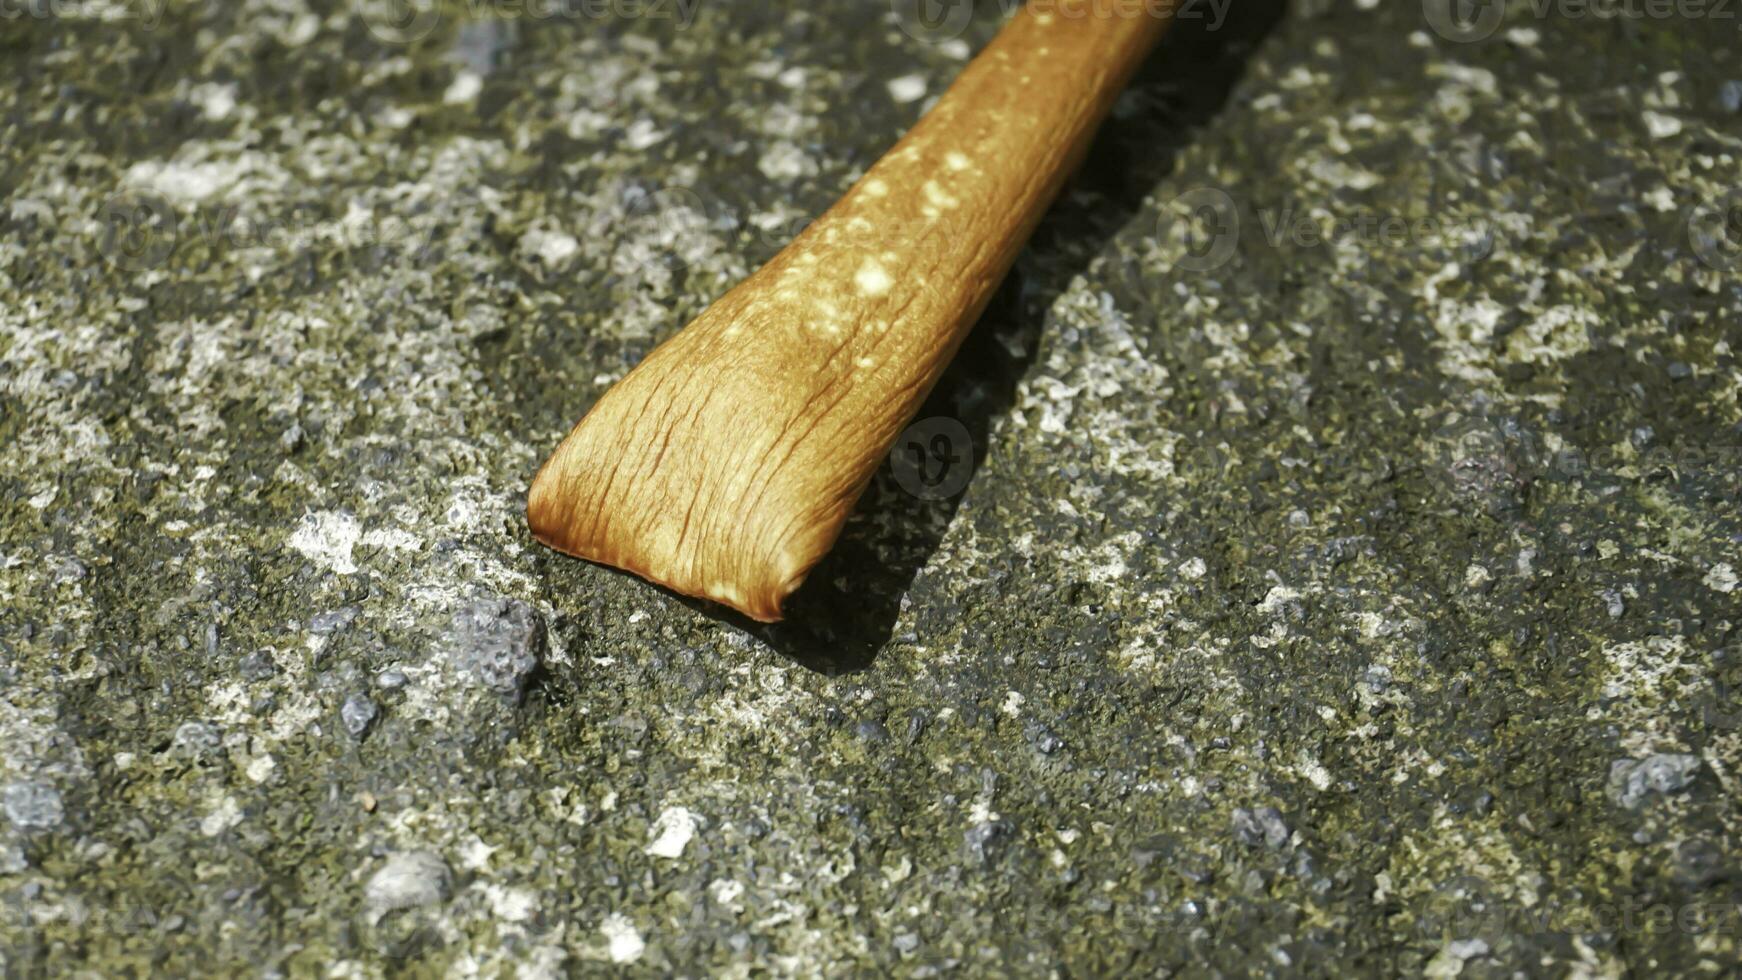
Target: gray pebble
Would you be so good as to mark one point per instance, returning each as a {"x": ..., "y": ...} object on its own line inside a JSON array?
[
  {"x": 872, "y": 730},
  {"x": 1261, "y": 826},
  {"x": 292, "y": 438},
  {"x": 358, "y": 714},
  {"x": 1730, "y": 96},
  {"x": 984, "y": 840},
  {"x": 1043, "y": 739},
  {"x": 333, "y": 620},
  {"x": 258, "y": 666},
  {"x": 1632, "y": 781},
  {"x": 391, "y": 679},
  {"x": 497, "y": 643},
  {"x": 31, "y": 806}
]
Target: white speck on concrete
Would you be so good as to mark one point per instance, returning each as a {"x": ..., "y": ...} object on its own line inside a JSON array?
[
  {"x": 1314, "y": 771},
  {"x": 227, "y": 814},
  {"x": 408, "y": 880},
  {"x": 1661, "y": 125},
  {"x": 326, "y": 538},
  {"x": 216, "y": 101},
  {"x": 671, "y": 832},
  {"x": 464, "y": 88},
  {"x": 260, "y": 768},
  {"x": 475, "y": 854},
  {"x": 1661, "y": 199},
  {"x": 784, "y": 161},
  {"x": 623, "y": 940},
  {"x": 642, "y": 134},
  {"x": 552, "y": 247},
  {"x": 188, "y": 183},
  {"x": 1562, "y": 331},
  {"x": 1277, "y": 599},
  {"x": 726, "y": 892},
  {"x": 511, "y": 904},
  {"x": 907, "y": 88},
  {"x": 1722, "y": 578},
  {"x": 194, "y": 179}
]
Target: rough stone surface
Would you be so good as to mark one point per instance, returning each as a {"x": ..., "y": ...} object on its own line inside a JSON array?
[
  {"x": 1356, "y": 447},
  {"x": 358, "y": 714},
  {"x": 497, "y": 643},
  {"x": 32, "y": 806},
  {"x": 1632, "y": 782}
]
